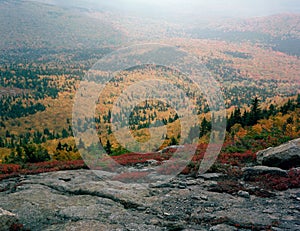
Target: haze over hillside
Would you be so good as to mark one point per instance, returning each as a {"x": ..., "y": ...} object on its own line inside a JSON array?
[
  {"x": 90, "y": 23},
  {"x": 32, "y": 24},
  {"x": 190, "y": 8}
]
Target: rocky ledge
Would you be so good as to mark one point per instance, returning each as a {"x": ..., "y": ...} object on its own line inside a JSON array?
[
  {"x": 83, "y": 200},
  {"x": 249, "y": 198}
]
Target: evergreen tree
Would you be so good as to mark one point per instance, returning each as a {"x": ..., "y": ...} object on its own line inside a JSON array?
[
  {"x": 1, "y": 143},
  {"x": 109, "y": 131},
  {"x": 64, "y": 133},
  {"x": 59, "y": 146},
  {"x": 108, "y": 147},
  {"x": 255, "y": 112},
  {"x": 230, "y": 122},
  {"x": 272, "y": 110},
  {"x": 173, "y": 141},
  {"x": 35, "y": 154},
  {"x": 109, "y": 116},
  {"x": 205, "y": 127},
  {"x": 246, "y": 118},
  {"x": 289, "y": 106},
  {"x": 46, "y": 132},
  {"x": 81, "y": 144},
  {"x": 237, "y": 116},
  {"x": 19, "y": 155}
]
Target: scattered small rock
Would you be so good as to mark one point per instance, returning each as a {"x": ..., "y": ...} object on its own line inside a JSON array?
[
  {"x": 191, "y": 182},
  {"x": 199, "y": 197},
  {"x": 210, "y": 184},
  {"x": 196, "y": 197},
  {"x": 211, "y": 176},
  {"x": 182, "y": 185},
  {"x": 204, "y": 197},
  {"x": 141, "y": 208},
  {"x": 152, "y": 162},
  {"x": 66, "y": 179},
  {"x": 222, "y": 227},
  {"x": 243, "y": 194},
  {"x": 276, "y": 229}
]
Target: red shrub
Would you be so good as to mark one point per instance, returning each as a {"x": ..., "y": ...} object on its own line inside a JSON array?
[
  {"x": 16, "y": 227},
  {"x": 13, "y": 170},
  {"x": 187, "y": 170},
  {"x": 238, "y": 159},
  {"x": 135, "y": 158},
  {"x": 280, "y": 183},
  {"x": 9, "y": 168}
]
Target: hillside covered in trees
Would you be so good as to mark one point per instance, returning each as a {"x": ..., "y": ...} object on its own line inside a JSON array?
[{"x": 42, "y": 66}]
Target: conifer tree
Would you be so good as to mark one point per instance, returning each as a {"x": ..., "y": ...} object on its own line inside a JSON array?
[
  {"x": 108, "y": 147},
  {"x": 255, "y": 112}
]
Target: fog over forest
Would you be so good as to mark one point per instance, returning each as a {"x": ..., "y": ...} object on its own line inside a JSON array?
[{"x": 191, "y": 8}]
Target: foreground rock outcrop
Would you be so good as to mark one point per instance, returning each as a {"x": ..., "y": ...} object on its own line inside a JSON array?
[
  {"x": 81, "y": 200},
  {"x": 284, "y": 156}
]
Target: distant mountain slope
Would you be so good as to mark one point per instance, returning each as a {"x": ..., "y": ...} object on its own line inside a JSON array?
[
  {"x": 91, "y": 23},
  {"x": 281, "y": 32},
  {"x": 31, "y": 24},
  {"x": 279, "y": 25}
]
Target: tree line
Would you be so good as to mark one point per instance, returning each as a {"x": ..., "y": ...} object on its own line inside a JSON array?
[{"x": 251, "y": 117}]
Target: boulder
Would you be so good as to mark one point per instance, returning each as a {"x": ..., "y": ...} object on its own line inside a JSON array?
[
  {"x": 249, "y": 172},
  {"x": 284, "y": 156},
  {"x": 243, "y": 194}
]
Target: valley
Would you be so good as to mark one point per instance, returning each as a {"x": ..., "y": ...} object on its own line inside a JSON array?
[{"x": 138, "y": 115}]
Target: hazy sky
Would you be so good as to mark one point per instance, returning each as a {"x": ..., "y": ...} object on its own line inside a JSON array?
[{"x": 192, "y": 7}]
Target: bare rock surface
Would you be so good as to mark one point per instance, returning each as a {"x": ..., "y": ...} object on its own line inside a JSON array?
[
  {"x": 7, "y": 220},
  {"x": 81, "y": 200},
  {"x": 284, "y": 156}
]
